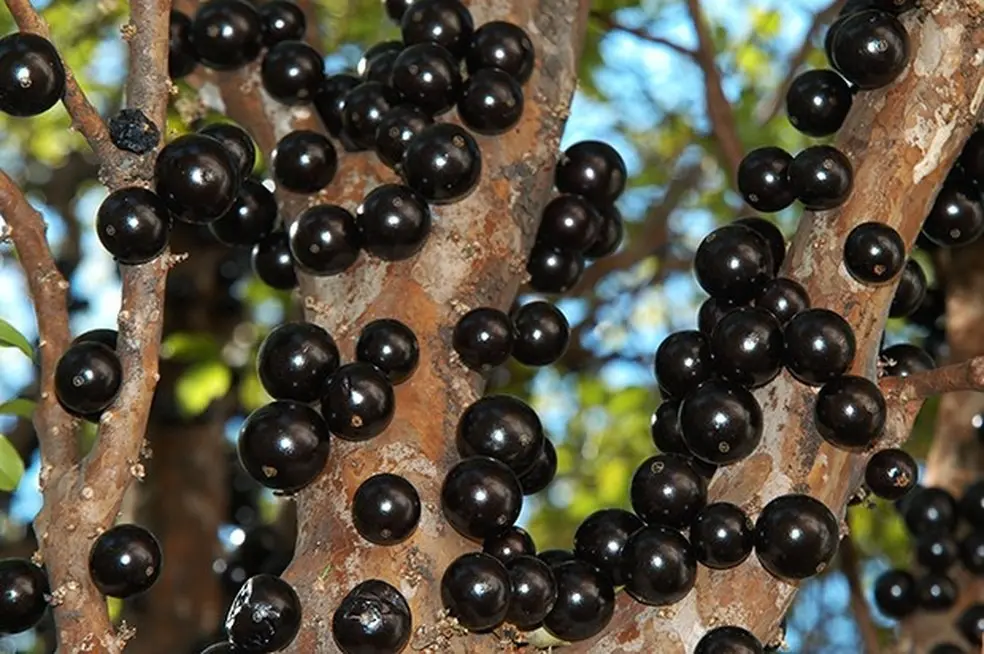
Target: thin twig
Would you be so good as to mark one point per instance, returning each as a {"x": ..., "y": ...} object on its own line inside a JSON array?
[
  {"x": 859, "y": 604},
  {"x": 964, "y": 376},
  {"x": 607, "y": 21}
]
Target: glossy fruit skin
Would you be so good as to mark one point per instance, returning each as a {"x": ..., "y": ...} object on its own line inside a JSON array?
[
  {"x": 593, "y": 169},
  {"x": 533, "y": 592},
  {"x": 107, "y": 337},
  {"x": 292, "y": 72},
  {"x": 682, "y": 362},
  {"x": 772, "y": 235},
  {"x": 666, "y": 490},
  {"x": 796, "y": 536},
  {"x": 125, "y": 561},
  {"x": 509, "y": 544},
  {"x": 284, "y": 445},
  {"x": 447, "y": 23},
  {"x": 502, "y": 427},
  {"x": 480, "y": 497},
  {"x": 542, "y": 334},
  {"x": 722, "y": 536},
  {"x": 553, "y": 558},
  {"x": 930, "y": 511},
  {"x": 501, "y": 45},
  {"x": 665, "y": 428},
  {"x": 475, "y": 588},
  {"x": 910, "y": 292},
  {"x": 569, "y": 222},
  {"x": 443, "y": 163},
  {"x": 971, "y": 550},
  {"x": 304, "y": 162},
  {"x": 362, "y": 111},
  {"x": 971, "y": 624},
  {"x": 542, "y": 472},
  {"x": 282, "y": 21},
  {"x": 325, "y": 240},
  {"x": 600, "y": 538},
  {"x": 295, "y": 360},
  {"x": 747, "y": 348},
  {"x": 379, "y": 55},
  {"x": 181, "y": 58},
  {"x": 874, "y": 253},
  {"x": 891, "y": 474},
  {"x": 936, "y": 592},
  {"x": 227, "y": 34},
  {"x": 905, "y": 359},
  {"x": 23, "y": 587},
  {"x": 820, "y": 346},
  {"x": 373, "y": 618},
  {"x": 937, "y": 552},
  {"x": 483, "y": 338},
  {"x": 386, "y": 509},
  {"x": 957, "y": 216},
  {"x": 252, "y": 217},
  {"x": 850, "y": 412},
  {"x": 133, "y": 225},
  {"x": 272, "y": 261},
  {"x": 428, "y": 76},
  {"x": 552, "y": 270},
  {"x": 895, "y": 594},
  {"x": 971, "y": 505},
  {"x": 395, "y": 222},
  {"x": 721, "y": 422},
  {"x": 611, "y": 233},
  {"x": 358, "y": 402},
  {"x": 729, "y": 640},
  {"x": 396, "y": 8},
  {"x": 822, "y": 177},
  {"x": 733, "y": 263},
  {"x": 329, "y": 101},
  {"x": 391, "y": 346},
  {"x": 491, "y": 102},
  {"x": 197, "y": 178},
  {"x": 783, "y": 298},
  {"x": 32, "y": 77},
  {"x": 763, "y": 180},
  {"x": 710, "y": 313},
  {"x": 237, "y": 142},
  {"x": 265, "y": 615},
  {"x": 88, "y": 377},
  {"x": 585, "y": 602},
  {"x": 870, "y": 49},
  {"x": 659, "y": 566},
  {"x": 818, "y": 101},
  {"x": 397, "y": 127}
]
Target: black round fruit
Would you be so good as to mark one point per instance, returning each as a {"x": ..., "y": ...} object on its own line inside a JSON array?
[
  {"x": 891, "y": 474},
  {"x": 569, "y": 222},
  {"x": 610, "y": 235},
  {"x": 358, "y": 402},
  {"x": 971, "y": 624},
  {"x": 541, "y": 334},
  {"x": 721, "y": 422},
  {"x": 181, "y": 57},
  {"x": 593, "y": 169},
  {"x": 910, "y": 292},
  {"x": 325, "y": 240},
  {"x": 821, "y": 177},
  {"x": 491, "y": 102},
  {"x": 729, "y": 640},
  {"x": 227, "y": 34},
  {"x": 772, "y": 235},
  {"x": 502, "y": 45},
  {"x": 265, "y": 615},
  {"x": 682, "y": 362},
  {"x": 376, "y": 62},
  {"x": 397, "y": 127},
  {"x": 443, "y": 163},
  {"x": 362, "y": 109},
  {"x": 396, "y": 8},
  {"x": 905, "y": 359},
  {"x": 796, "y": 536},
  {"x": 957, "y": 216},
  {"x": 937, "y": 552},
  {"x": 553, "y": 558},
  {"x": 88, "y": 377},
  {"x": 294, "y": 361},
  {"x": 874, "y": 253},
  {"x": 501, "y": 427},
  {"x": 373, "y": 617},
  {"x": 733, "y": 263},
  {"x": 251, "y": 219},
  {"x": 936, "y": 592},
  {"x": 428, "y": 76},
  {"x": 292, "y": 72},
  {"x": 850, "y": 412},
  {"x": 710, "y": 313},
  {"x": 447, "y": 23},
  {"x": 329, "y": 101},
  {"x": 23, "y": 587},
  {"x": 304, "y": 162},
  {"x": 585, "y": 602},
  {"x": 237, "y": 142},
  {"x": 870, "y": 49},
  {"x": 395, "y": 222},
  {"x": 818, "y": 101},
  {"x": 391, "y": 346},
  {"x": 552, "y": 270},
  {"x": 667, "y": 490},
  {"x": 197, "y": 178},
  {"x": 542, "y": 472},
  {"x": 659, "y": 565},
  {"x": 282, "y": 21},
  {"x": 480, "y": 497},
  {"x": 783, "y": 298},
  {"x": 483, "y": 338},
  {"x": 600, "y": 538},
  {"x": 820, "y": 346},
  {"x": 971, "y": 504},
  {"x": 386, "y": 509},
  {"x": 763, "y": 181},
  {"x": 722, "y": 536},
  {"x": 971, "y": 551},
  {"x": 273, "y": 263},
  {"x": 475, "y": 588},
  {"x": 665, "y": 428},
  {"x": 133, "y": 225},
  {"x": 895, "y": 594},
  {"x": 746, "y": 346},
  {"x": 533, "y": 592},
  {"x": 284, "y": 445},
  {"x": 508, "y": 544},
  {"x": 124, "y": 561},
  {"x": 930, "y": 511},
  {"x": 32, "y": 77}
]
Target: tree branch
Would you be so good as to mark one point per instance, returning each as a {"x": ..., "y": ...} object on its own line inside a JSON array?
[
  {"x": 859, "y": 603},
  {"x": 964, "y": 376},
  {"x": 608, "y": 22}
]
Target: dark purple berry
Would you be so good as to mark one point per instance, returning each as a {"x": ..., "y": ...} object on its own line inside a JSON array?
[
  {"x": 509, "y": 544},
  {"x": 475, "y": 589},
  {"x": 447, "y": 23},
  {"x": 542, "y": 472},
  {"x": 501, "y": 427},
  {"x": 874, "y": 253},
  {"x": 796, "y": 536},
  {"x": 585, "y": 602},
  {"x": 397, "y": 127},
  {"x": 23, "y": 590},
  {"x": 251, "y": 219},
  {"x": 227, "y": 34},
  {"x": 783, "y": 298},
  {"x": 895, "y": 594},
  {"x": 133, "y": 225},
  {"x": 665, "y": 428},
  {"x": 891, "y": 474},
  {"x": 325, "y": 240},
  {"x": 682, "y": 362},
  {"x": 502, "y": 45},
  {"x": 362, "y": 110},
  {"x": 272, "y": 261},
  {"x": 181, "y": 57},
  {"x": 592, "y": 169},
  {"x": 905, "y": 359},
  {"x": 395, "y": 222},
  {"x": 386, "y": 509},
  {"x": 329, "y": 100},
  {"x": 552, "y": 270},
  {"x": 818, "y": 101},
  {"x": 957, "y": 216},
  {"x": 610, "y": 235},
  {"x": 710, "y": 313},
  {"x": 659, "y": 565},
  {"x": 721, "y": 422},
  {"x": 295, "y": 360},
  {"x": 870, "y": 49},
  {"x": 733, "y": 263},
  {"x": 480, "y": 497},
  {"x": 930, "y": 511},
  {"x": 373, "y": 617},
  {"x": 491, "y": 102},
  {"x": 936, "y": 552},
  {"x": 772, "y": 235},
  {"x": 553, "y": 558},
  {"x": 820, "y": 346},
  {"x": 722, "y": 536},
  {"x": 88, "y": 377},
  {"x": 358, "y": 402},
  {"x": 428, "y": 76},
  {"x": 396, "y": 8},
  {"x": 443, "y": 163},
  {"x": 282, "y": 21},
  {"x": 238, "y": 142},
  {"x": 910, "y": 292},
  {"x": 729, "y": 640},
  {"x": 850, "y": 412},
  {"x": 284, "y": 445},
  {"x": 304, "y": 162},
  {"x": 124, "y": 561},
  {"x": 32, "y": 77},
  {"x": 534, "y": 591},
  {"x": 265, "y": 615},
  {"x": 763, "y": 181},
  {"x": 972, "y": 552},
  {"x": 936, "y": 592},
  {"x": 483, "y": 338},
  {"x": 197, "y": 178},
  {"x": 569, "y": 222},
  {"x": 599, "y": 540},
  {"x": 971, "y": 624},
  {"x": 971, "y": 504},
  {"x": 542, "y": 334},
  {"x": 821, "y": 177},
  {"x": 292, "y": 72},
  {"x": 376, "y": 62},
  {"x": 667, "y": 490},
  {"x": 391, "y": 346},
  {"x": 746, "y": 346}
]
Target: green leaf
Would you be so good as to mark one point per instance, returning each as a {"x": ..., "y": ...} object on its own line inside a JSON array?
[
  {"x": 200, "y": 385},
  {"x": 20, "y": 407},
  {"x": 10, "y": 337},
  {"x": 190, "y": 346},
  {"x": 11, "y": 466}
]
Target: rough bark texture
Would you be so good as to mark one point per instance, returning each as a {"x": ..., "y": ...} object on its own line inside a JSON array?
[{"x": 901, "y": 141}]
